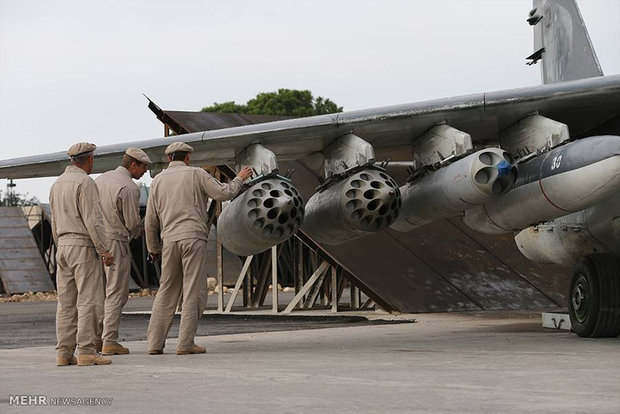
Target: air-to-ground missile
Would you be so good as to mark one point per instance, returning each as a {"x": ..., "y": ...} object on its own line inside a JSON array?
[
  {"x": 468, "y": 182},
  {"x": 569, "y": 178},
  {"x": 366, "y": 201},
  {"x": 267, "y": 213}
]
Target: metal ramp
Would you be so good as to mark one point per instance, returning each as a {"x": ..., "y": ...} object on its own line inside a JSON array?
[{"x": 21, "y": 266}]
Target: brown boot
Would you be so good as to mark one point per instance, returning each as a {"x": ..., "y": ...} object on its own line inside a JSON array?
[
  {"x": 85, "y": 360},
  {"x": 114, "y": 348},
  {"x": 62, "y": 361},
  {"x": 156, "y": 351},
  {"x": 98, "y": 345},
  {"x": 195, "y": 349}
]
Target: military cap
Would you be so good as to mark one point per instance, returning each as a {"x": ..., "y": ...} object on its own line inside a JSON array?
[
  {"x": 138, "y": 155},
  {"x": 178, "y": 146},
  {"x": 81, "y": 148}
]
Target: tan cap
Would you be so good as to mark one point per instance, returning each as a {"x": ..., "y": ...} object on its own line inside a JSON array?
[
  {"x": 178, "y": 146},
  {"x": 81, "y": 148},
  {"x": 138, "y": 154}
]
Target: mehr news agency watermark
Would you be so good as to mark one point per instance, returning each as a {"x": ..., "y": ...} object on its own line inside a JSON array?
[{"x": 44, "y": 400}]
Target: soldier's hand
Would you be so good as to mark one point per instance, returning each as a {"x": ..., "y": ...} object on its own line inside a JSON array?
[
  {"x": 108, "y": 258},
  {"x": 155, "y": 257},
  {"x": 245, "y": 173}
]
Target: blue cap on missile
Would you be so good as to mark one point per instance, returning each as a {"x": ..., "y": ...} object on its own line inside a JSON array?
[{"x": 504, "y": 168}]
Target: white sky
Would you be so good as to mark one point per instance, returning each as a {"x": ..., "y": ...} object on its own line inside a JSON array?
[{"x": 75, "y": 70}]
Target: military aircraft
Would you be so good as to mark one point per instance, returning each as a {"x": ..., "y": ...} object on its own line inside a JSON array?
[{"x": 541, "y": 162}]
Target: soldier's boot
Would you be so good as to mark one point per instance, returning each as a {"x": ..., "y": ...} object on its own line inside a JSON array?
[
  {"x": 85, "y": 360},
  {"x": 62, "y": 361},
  {"x": 195, "y": 349},
  {"x": 113, "y": 348},
  {"x": 98, "y": 345},
  {"x": 156, "y": 351}
]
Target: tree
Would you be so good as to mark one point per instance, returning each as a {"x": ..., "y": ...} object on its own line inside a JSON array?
[
  {"x": 17, "y": 200},
  {"x": 226, "y": 107},
  {"x": 287, "y": 102}
]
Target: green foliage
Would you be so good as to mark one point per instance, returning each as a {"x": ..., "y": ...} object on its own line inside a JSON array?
[
  {"x": 226, "y": 107},
  {"x": 17, "y": 200},
  {"x": 287, "y": 102}
]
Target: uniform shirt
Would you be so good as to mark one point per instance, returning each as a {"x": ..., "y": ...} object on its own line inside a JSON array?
[
  {"x": 119, "y": 197},
  {"x": 177, "y": 205},
  {"x": 76, "y": 213}
]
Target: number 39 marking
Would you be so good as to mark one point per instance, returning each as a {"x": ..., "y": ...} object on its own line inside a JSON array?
[{"x": 555, "y": 164}]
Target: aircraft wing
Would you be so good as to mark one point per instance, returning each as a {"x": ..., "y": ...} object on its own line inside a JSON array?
[{"x": 581, "y": 104}]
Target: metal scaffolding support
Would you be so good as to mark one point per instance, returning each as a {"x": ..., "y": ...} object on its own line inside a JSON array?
[{"x": 325, "y": 279}]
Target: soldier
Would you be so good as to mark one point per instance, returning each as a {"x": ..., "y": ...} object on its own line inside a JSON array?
[
  {"x": 177, "y": 208},
  {"x": 77, "y": 228},
  {"x": 119, "y": 197}
]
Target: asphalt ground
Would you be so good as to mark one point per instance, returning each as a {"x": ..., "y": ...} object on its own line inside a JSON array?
[
  {"x": 474, "y": 362},
  {"x": 26, "y": 324}
]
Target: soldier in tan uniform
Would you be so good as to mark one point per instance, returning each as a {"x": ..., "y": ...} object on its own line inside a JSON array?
[
  {"x": 119, "y": 197},
  {"x": 176, "y": 231},
  {"x": 78, "y": 230}
]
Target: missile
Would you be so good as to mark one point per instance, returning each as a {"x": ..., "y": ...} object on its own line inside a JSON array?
[
  {"x": 567, "y": 179},
  {"x": 468, "y": 182},
  {"x": 265, "y": 214},
  {"x": 365, "y": 201}
]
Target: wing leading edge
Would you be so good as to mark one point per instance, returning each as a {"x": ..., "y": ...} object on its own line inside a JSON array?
[{"x": 581, "y": 104}]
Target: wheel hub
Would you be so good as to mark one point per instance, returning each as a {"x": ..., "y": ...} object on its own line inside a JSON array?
[{"x": 581, "y": 298}]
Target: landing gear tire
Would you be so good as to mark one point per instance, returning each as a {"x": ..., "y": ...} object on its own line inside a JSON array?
[{"x": 594, "y": 300}]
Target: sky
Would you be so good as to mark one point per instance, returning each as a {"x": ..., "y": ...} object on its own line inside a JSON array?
[{"x": 76, "y": 70}]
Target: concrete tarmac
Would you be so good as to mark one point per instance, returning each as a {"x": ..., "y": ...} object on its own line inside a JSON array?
[{"x": 483, "y": 362}]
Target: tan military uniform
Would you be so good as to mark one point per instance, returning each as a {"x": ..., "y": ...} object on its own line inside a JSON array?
[
  {"x": 177, "y": 210},
  {"x": 77, "y": 227},
  {"x": 119, "y": 197}
]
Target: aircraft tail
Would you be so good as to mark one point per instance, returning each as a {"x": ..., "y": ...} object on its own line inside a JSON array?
[{"x": 561, "y": 42}]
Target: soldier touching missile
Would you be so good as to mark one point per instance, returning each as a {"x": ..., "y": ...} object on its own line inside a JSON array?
[{"x": 176, "y": 231}]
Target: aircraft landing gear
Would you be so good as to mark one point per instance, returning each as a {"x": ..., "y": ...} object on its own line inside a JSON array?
[{"x": 594, "y": 300}]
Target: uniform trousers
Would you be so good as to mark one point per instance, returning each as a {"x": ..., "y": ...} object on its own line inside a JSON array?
[
  {"x": 116, "y": 290},
  {"x": 79, "y": 283},
  {"x": 184, "y": 269}
]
